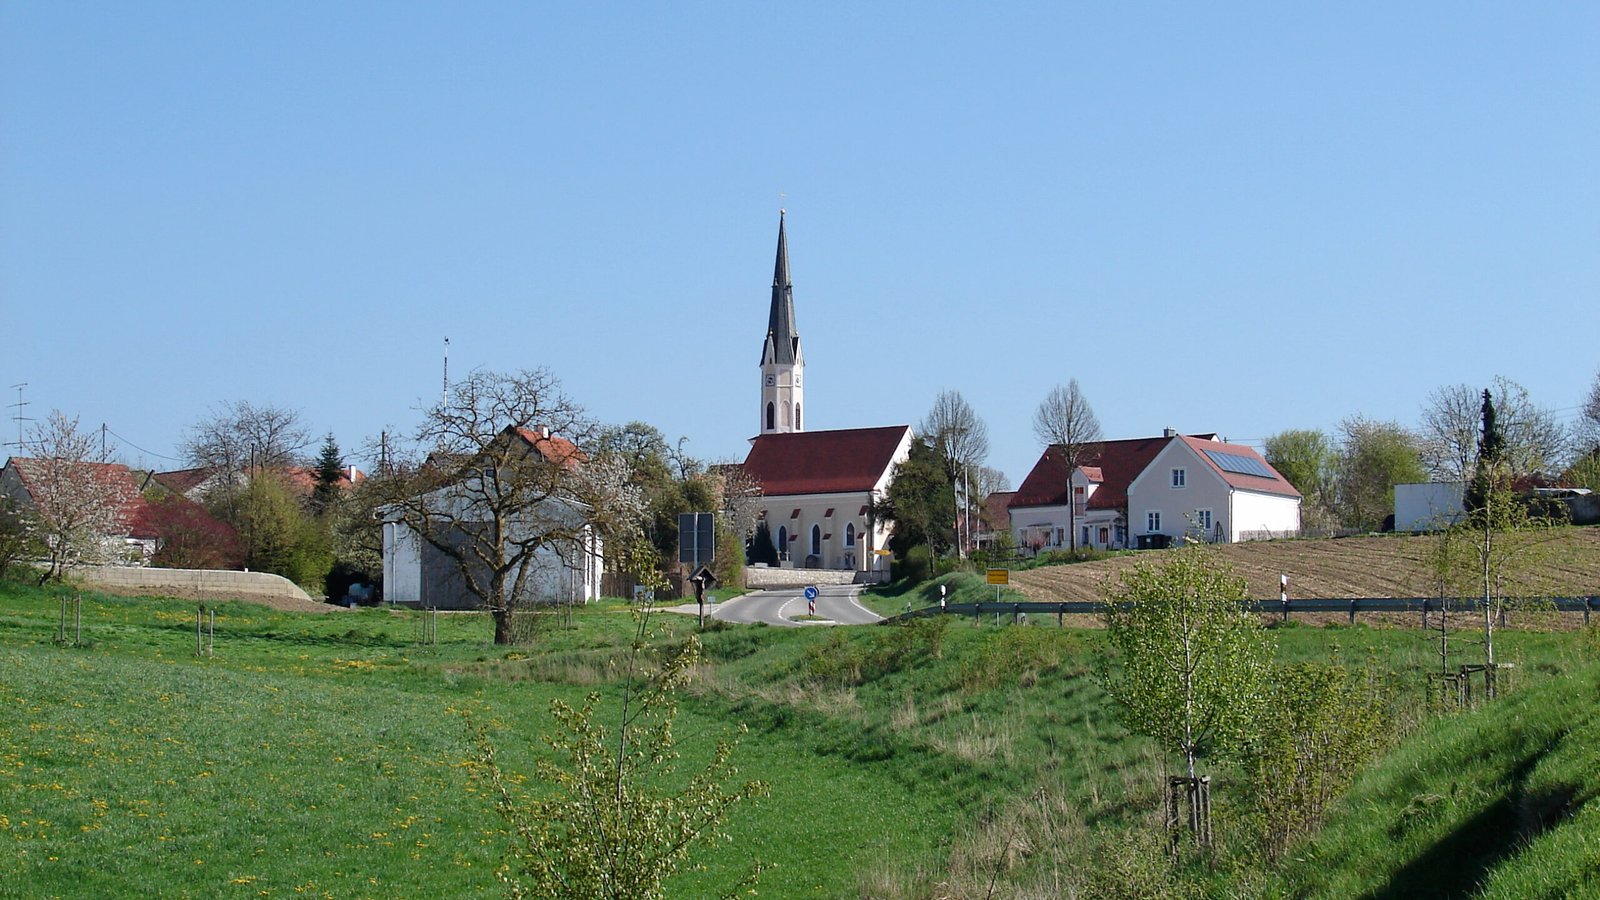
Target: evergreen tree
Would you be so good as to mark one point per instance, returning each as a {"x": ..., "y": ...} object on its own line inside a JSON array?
[
  {"x": 761, "y": 547},
  {"x": 920, "y": 502},
  {"x": 330, "y": 475},
  {"x": 1491, "y": 450}
]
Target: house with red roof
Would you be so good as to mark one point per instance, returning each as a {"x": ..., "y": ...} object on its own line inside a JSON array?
[
  {"x": 101, "y": 500},
  {"x": 818, "y": 487},
  {"x": 1147, "y": 492}
]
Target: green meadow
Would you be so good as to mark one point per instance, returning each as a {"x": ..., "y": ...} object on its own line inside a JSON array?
[{"x": 329, "y": 755}]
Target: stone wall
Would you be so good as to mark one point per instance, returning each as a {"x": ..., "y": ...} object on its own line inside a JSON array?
[{"x": 197, "y": 584}]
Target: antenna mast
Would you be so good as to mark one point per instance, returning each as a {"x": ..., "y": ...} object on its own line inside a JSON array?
[
  {"x": 444, "y": 396},
  {"x": 19, "y": 406}
]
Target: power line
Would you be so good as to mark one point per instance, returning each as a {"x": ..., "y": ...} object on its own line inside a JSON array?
[{"x": 141, "y": 449}]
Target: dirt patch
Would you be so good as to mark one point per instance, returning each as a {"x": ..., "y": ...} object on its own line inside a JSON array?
[{"x": 1338, "y": 568}]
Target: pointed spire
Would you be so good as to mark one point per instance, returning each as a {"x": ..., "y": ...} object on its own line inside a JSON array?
[{"x": 781, "y": 330}]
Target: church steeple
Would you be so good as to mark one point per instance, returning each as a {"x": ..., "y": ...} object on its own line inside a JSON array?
[
  {"x": 782, "y": 363},
  {"x": 784, "y": 340}
]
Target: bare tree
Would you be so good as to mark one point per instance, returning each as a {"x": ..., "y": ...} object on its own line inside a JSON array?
[
  {"x": 1065, "y": 420},
  {"x": 493, "y": 479},
  {"x": 239, "y": 437},
  {"x": 80, "y": 502},
  {"x": 1449, "y": 433},
  {"x": 1536, "y": 442},
  {"x": 953, "y": 426},
  {"x": 1589, "y": 426}
]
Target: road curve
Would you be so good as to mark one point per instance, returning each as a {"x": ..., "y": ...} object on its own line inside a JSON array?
[{"x": 836, "y": 605}]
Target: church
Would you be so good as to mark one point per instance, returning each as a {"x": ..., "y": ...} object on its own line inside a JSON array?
[{"x": 817, "y": 486}]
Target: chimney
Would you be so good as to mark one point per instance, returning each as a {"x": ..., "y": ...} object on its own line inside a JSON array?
[
  {"x": 542, "y": 430},
  {"x": 1169, "y": 432}
]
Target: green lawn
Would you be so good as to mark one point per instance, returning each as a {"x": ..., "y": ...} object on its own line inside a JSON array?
[{"x": 324, "y": 754}]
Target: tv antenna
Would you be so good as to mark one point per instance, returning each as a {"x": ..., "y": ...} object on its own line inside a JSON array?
[
  {"x": 444, "y": 395},
  {"x": 19, "y": 406}
]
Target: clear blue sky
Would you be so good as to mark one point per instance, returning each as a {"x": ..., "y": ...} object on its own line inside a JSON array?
[{"x": 1223, "y": 217}]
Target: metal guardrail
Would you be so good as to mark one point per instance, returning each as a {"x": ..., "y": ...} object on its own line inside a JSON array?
[{"x": 1423, "y": 605}]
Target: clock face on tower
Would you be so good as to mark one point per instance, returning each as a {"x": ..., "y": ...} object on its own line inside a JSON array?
[
  {"x": 771, "y": 380},
  {"x": 797, "y": 379}
]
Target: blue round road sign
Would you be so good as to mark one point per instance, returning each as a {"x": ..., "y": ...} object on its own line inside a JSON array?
[{"x": 811, "y": 592}]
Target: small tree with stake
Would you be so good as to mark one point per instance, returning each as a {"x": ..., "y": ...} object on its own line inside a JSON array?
[
  {"x": 1190, "y": 664},
  {"x": 618, "y": 820}
]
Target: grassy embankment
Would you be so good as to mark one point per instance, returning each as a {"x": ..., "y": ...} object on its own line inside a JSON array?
[{"x": 324, "y": 753}]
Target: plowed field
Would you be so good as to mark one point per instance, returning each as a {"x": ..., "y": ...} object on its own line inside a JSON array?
[{"x": 1338, "y": 568}]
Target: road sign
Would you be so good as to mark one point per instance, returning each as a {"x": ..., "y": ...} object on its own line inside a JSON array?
[
  {"x": 999, "y": 576},
  {"x": 811, "y": 606},
  {"x": 696, "y": 538},
  {"x": 811, "y": 592}
]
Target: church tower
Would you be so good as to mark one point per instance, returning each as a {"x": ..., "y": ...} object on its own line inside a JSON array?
[{"x": 782, "y": 363}]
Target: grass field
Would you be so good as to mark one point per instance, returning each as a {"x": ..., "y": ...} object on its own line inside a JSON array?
[{"x": 324, "y": 754}]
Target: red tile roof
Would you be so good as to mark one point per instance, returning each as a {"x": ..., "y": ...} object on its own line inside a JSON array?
[
  {"x": 1118, "y": 462},
  {"x": 182, "y": 481},
  {"x": 1274, "y": 485},
  {"x": 823, "y": 462},
  {"x": 115, "y": 479},
  {"x": 552, "y": 447},
  {"x": 996, "y": 510}
]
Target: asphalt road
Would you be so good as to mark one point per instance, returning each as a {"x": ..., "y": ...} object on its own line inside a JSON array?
[{"x": 836, "y": 605}]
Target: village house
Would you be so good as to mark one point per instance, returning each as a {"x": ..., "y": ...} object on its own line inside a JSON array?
[{"x": 1149, "y": 492}]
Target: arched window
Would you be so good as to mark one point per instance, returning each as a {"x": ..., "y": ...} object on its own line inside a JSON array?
[
  {"x": 816, "y": 540},
  {"x": 849, "y": 534},
  {"x": 783, "y": 542},
  {"x": 797, "y": 417},
  {"x": 772, "y": 413}
]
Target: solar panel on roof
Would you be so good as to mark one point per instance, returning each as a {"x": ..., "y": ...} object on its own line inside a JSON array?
[{"x": 1239, "y": 464}]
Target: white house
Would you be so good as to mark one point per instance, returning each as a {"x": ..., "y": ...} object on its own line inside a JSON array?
[
  {"x": 1214, "y": 491},
  {"x": 1147, "y": 491},
  {"x": 416, "y": 571}
]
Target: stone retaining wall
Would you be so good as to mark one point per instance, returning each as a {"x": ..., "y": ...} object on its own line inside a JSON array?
[
  {"x": 763, "y": 578},
  {"x": 196, "y": 584}
]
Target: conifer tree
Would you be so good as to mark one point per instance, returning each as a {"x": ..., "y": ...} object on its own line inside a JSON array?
[{"x": 329, "y": 473}]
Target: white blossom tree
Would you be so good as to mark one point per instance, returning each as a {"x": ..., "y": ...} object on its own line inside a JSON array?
[{"x": 80, "y": 501}]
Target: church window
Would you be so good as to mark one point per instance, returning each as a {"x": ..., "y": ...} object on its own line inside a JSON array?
[
  {"x": 771, "y": 413},
  {"x": 797, "y": 417},
  {"x": 783, "y": 542},
  {"x": 816, "y": 540},
  {"x": 850, "y": 534}
]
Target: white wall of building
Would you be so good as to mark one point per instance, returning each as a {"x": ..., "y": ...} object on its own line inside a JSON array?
[
  {"x": 798, "y": 514},
  {"x": 1428, "y": 507},
  {"x": 1191, "y": 498}
]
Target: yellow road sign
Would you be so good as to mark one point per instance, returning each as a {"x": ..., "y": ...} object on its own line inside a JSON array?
[{"x": 999, "y": 576}]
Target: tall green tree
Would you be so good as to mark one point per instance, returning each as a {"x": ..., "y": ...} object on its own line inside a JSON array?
[
  {"x": 1374, "y": 456},
  {"x": 329, "y": 472},
  {"x": 1307, "y": 458},
  {"x": 1190, "y": 661},
  {"x": 920, "y": 502},
  {"x": 1490, "y": 464}
]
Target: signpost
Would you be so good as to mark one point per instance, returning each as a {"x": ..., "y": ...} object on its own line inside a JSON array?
[
  {"x": 998, "y": 577},
  {"x": 811, "y": 599},
  {"x": 701, "y": 580},
  {"x": 697, "y": 538}
]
